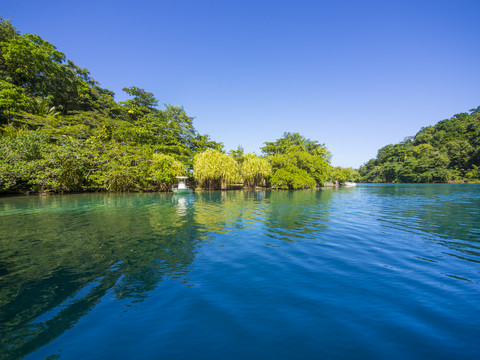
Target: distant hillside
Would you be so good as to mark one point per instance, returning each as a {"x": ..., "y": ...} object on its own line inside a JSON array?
[{"x": 446, "y": 152}]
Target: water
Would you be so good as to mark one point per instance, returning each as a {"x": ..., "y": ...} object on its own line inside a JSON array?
[{"x": 373, "y": 272}]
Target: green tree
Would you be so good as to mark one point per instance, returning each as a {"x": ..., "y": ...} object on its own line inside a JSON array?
[
  {"x": 36, "y": 66},
  {"x": 60, "y": 131},
  {"x": 32, "y": 63},
  {"x": 474, "y": 173},
  {"x": 238, "y": 154},
  {"x": 291, "y": 177},
  {"x": 164, "y": 169},
  {"x": 254, "y": 170},
  {"x": 441, "y": 153},
  {"x": 297, "y": 162},
  {"x": 7, "y": 30},
  {"x": 214, "y": 170},
  {"x": 341, "y": 174},
  {"x": 142, "y": 102},
  {"x": 12, "y": 100}
]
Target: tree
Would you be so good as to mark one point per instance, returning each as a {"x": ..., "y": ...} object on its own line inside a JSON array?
[
  {"x": 7, "y": 30},
  {"x": 254, "y": 170},
  {"x": 213, "y": 169},
  {"x": 60, "y": 131},
  {"x": 164, "y": 169},
  {"x": 32, "y": 63},
  {"x": 341, "y": 174},
  {"x": 12, "y": 100},
  {"x": 440, "y": 153},
  {"x": 289, "y": 140},
  {"x": 297, "y": 162},
  {"x": 292, "y": 177},
  {"x": 7, "y": 33},
  {"x": 141, "y": 104},
  {"x": 238, "y": 154},
  {"x": 474, "y": 173}
]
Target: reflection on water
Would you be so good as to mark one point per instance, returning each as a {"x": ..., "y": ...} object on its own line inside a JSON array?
[
  {"x": 183, "y": 202},
  {"x": 289, "y": 211},
  {"x": 63, "y": 256},
  {"x": 226, "y": 211}
]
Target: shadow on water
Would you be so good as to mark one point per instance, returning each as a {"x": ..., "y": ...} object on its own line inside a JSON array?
[{"x": 61, "y": 255}]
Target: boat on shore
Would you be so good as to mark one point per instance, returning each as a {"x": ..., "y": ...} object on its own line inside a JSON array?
[
  {"x": 349, "y": 184},
  {"x": 181, "y": 187}
]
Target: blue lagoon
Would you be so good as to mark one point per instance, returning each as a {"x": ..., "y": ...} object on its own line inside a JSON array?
[{"x": 370, "y": 272}]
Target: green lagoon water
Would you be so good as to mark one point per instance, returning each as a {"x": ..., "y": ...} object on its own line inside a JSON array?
[{"x": 372, "y": 272}]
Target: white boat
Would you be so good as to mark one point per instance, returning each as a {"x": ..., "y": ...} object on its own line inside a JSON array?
[
  {"x": 349, "y": 184},
  {"x": 181, "y": 187}
]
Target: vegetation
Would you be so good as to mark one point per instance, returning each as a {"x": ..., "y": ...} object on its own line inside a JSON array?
[
  {"x": 291, "y": 162},
  {"x": 446, "y": 152},
  {"x": 215, "y": 170},
  {"x": 344, "y": 174},
  {"x": 255, "y": 170},
  {"x": 297, "y": 162},
  {"x": 60, "y": 131}
]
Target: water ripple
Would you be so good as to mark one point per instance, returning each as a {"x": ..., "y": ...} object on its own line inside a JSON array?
[{"x": 378, "y": 271}]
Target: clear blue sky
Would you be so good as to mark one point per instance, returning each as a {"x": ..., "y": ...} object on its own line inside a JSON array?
[{"x": 352, "y": 74}]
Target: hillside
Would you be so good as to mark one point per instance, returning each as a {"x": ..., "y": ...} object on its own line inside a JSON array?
[{"x": 446, "y": 152}]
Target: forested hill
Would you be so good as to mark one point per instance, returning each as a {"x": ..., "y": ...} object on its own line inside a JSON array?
[
  {"x": 446, "y": 152},
  {"x": 61, "y": 131}
]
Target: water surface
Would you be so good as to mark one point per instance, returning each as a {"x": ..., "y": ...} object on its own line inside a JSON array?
[{"x": 376, "y": 271}]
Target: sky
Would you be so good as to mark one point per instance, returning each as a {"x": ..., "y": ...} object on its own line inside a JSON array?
[{"x": 354, "y": 75}]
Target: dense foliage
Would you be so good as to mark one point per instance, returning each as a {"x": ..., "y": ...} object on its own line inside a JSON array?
[
  {"x": 297, "y": 162},
  {"x": 60, "y": 131},
  {"x": 448, "y": 151},
  {"x": 254, "y": 170},
  {"x": 344, "y": 174},
  {"x": 215, "y": 170}
]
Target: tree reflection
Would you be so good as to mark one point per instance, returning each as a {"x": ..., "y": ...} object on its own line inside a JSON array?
[
  {"x": 297, "y": 214},
  {"x": 60, "y": 255},
  {"x": 222, "y": 211}
]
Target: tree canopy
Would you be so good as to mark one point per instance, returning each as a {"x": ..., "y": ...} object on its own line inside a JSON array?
[
  {"x": 297, "y": 162},
  {"x": 215, "y": 170},
  {"x": 60, "y": 131},
  {"x": 448, "y": 151}
]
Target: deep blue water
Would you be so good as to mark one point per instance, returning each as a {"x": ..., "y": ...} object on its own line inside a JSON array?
[{"x": 372, "y": 272}]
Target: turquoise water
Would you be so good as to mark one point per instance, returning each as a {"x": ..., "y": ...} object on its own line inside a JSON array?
[{"x": 372, "y": 272}]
